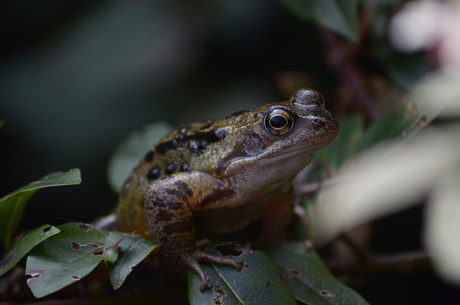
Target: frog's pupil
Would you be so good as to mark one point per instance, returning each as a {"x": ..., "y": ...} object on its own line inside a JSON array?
[{"x": 278, "y": 121}]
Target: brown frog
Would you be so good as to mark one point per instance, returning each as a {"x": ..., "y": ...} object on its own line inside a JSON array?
[{"x": 219, "y": 176}]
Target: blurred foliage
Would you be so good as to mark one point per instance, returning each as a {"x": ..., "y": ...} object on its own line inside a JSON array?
[
  {"x": 128, "y": 153},
  {"x": 337, "y": 15},
  {"x": 76, "y": 77}
]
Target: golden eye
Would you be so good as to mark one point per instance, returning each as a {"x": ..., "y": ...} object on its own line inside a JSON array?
[{"x": 278, "y": 122}]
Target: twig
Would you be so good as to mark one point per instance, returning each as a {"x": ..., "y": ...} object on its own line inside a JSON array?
[
  {"x": 358, "y": 248},
  {"x": 408, "y": 262}
]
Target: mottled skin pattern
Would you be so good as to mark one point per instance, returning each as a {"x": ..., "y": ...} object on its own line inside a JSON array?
[{"x": 218, "y": 176}]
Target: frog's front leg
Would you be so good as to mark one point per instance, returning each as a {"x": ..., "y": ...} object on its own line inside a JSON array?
[{"x": 169, "y": 203}]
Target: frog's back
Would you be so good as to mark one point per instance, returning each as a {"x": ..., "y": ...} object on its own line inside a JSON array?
[{"x": 197, "y": 147}]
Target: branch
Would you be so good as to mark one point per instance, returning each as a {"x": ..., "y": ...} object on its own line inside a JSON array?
[{"x": 408, "y": 262}]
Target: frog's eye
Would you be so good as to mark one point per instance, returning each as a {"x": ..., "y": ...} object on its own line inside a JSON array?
[{"x": 278, "y": 122}]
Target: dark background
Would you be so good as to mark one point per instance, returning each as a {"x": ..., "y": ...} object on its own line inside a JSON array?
[{"x": 76, "y": 78}]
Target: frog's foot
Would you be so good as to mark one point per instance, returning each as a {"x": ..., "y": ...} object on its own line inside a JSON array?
[
  {"x": 219, "y": 260},
  {"x": 193, "y": 264},
  {"x": 200, "y": 255}
]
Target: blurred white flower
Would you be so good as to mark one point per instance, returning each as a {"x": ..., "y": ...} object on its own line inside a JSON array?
[
  {"x": 415, "y": 27},
  {"x": 429, "y": 25},
  {"x": 396, "y": 175}
]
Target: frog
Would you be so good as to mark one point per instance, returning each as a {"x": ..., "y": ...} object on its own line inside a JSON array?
[{"x": 216, "y": 177}]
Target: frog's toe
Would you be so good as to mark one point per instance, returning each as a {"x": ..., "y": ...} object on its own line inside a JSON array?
[
  {"x": 192, "y": 262},
  {"x": 195, "y": 266},
  {"x": 205, "y": 283},
  {"x": 220, "y": 260}
]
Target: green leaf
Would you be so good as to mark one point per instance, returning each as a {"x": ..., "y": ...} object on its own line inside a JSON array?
[
  {"x": 12, "y": 205},
  {"x": 64, "y": 258},
  {"x": 388, "y": 127},
  {"x": 110, "y": 254},
  {"x": 403, "y": 122},
  {"x": 130, "y": 253},
  {"x": 307, "y": 267},
  {"x": 302, "y": 292},
  {"x": 260, "y": 282},
  {"x": 345, "y": 144},
  {"x": 340, "y": 16},
  {"x": 405, "y": 70},
  {"x": 23, "y": 244},
  {"x": 127, "y": 154},
  {"x": 69, "y": 256}
]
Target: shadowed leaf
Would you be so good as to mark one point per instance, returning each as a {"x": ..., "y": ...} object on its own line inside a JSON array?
[
  {"x": 305, "y": 266},
  {"x": 12, "y": 205},
  {"x": 130, "y": 253},
  {"x": 23, "y": 244}
]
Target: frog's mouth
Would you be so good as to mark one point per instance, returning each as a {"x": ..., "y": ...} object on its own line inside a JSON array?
[
  {"x": 299, "y": 150},
  {"x": 287, "y": 154}
]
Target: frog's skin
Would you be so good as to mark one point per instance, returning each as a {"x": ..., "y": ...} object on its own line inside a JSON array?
[{"x": 218, "y": 176}]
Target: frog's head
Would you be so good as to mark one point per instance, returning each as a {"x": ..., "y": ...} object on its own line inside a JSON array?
[{"x": 279, "y": 140}]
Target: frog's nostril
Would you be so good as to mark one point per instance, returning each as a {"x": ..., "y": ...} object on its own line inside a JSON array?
[{"x": 315, "y": 121}]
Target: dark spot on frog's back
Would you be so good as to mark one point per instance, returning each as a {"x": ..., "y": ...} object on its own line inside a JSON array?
[
  {"x": 214, "y": 136},
  {"x": 170, "y": 168},
  {"x": 185, "y": 167},
  {"x": 200, "y": 149},
  {"x": 171, "y": 144},
  {"x": 238, "y": 113},
  {"x": 208, "y": 124},
  {"x": 149, "y": 156},
  {"x": 153, "y": 174},
  {"x": 203, "y": 138},
  {"x": 178, "y": 142}
]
